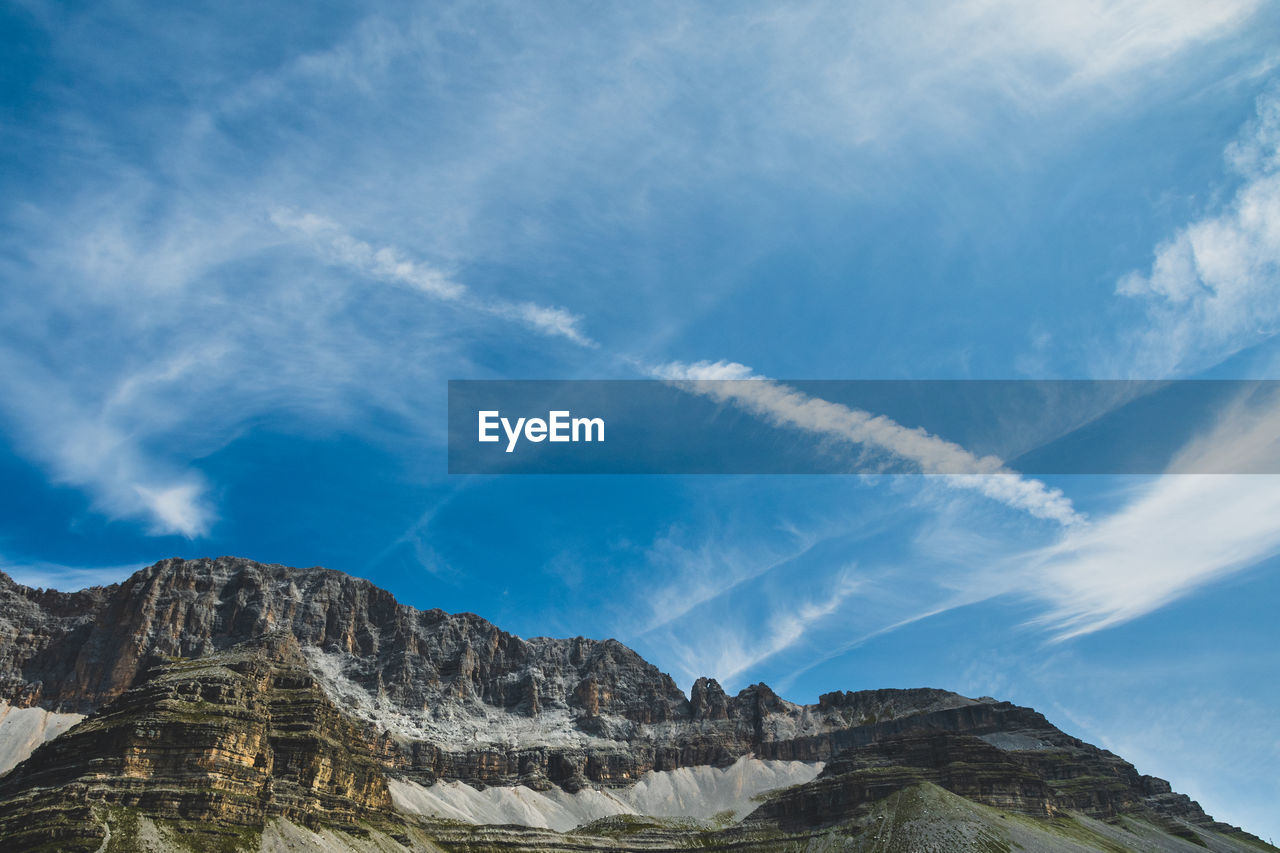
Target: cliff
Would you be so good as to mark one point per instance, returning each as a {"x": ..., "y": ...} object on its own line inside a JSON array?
[{"x": 231, "y": 703}]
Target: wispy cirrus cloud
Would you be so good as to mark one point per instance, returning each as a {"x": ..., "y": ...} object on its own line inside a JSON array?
[
  {"x": 389, "y": 264},
  {"x": 46, "y": 575},
  {"x": 1173, "y": 536},
  {"x": 141, "y": 232},
  {"x": 1167, "y": 538},
  {"x": 1178, "y": 534},
  {"x": 727, "y": 649},
  {"x": 707, "y": 570},
  {"x": 86, "y": 447},
  {"x": 168, "y": 353},
  {"x": 1066, "y": 48}
]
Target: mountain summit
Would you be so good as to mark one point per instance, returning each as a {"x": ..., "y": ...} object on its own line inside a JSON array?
[{"x": 228, "y": 704}]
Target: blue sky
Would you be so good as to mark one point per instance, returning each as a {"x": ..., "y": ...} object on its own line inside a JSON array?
[{"x": 243, "y": 250}]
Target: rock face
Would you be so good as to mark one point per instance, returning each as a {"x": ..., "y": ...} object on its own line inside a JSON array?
[
  {"x": 963, "y": 764},
  {"x": 75, "y": 651},
  {"x": 227, "y": 693},
  {"x": 224, "y": 741},
  {"x": 447, "y": 696}
]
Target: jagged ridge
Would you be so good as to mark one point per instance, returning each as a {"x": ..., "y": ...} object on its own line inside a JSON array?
[
  {"x": 430, "y": 695},
  {"x": 541, "y": 711}
]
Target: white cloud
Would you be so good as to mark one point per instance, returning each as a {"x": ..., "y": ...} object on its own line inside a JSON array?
[
  {"x": 181, "y": 508},
  {"x": 708, "y": 570},
  {"x": 1096, "y": 42},
  {"x": 862, "y": 77},
  {"x": 163, "y": 358},
  {"x": 384, "y": 263},
  {"x": 84, "y": 446},
  {"x": 1214, "y": 287},
  {"x": 556, "y": 322},
  {"x": 725, "y": 649},
  {"x": 1177, "y": 534},
  {"x": 1213, "y": 290},
  {"x": 1180, "y": 533},
  {"x": 155, "y": 312},
  {"x": 782, "y": 405},
  {"x": 389, "y": 264}
]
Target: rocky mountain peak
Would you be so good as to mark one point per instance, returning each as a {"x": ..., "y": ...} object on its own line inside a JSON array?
[
  {"x": 240, "y": 692},
  {"x": 707, "y": 700}
]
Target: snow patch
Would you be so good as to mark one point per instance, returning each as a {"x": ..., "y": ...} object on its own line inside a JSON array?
[
  {"x": 694, "y": 792},
  {"x": 23, "y": 729}
]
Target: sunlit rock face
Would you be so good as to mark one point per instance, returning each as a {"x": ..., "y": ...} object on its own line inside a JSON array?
[{"x": 225, "y": 740}]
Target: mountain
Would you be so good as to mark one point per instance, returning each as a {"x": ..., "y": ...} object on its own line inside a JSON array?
[{"x": 228, "y": 704}]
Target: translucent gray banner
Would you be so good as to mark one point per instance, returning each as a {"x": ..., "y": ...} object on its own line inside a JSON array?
[{"x": 756, "y": 426}]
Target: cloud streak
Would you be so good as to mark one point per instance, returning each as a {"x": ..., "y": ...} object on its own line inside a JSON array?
[
  {"x": 1176, "y": 535},
  {"x": 707, "y": 572},
  {"x": 1179, "y": 534},
  {"x": 782, "y": 405},
  {"x": 389, "y": 264},
  {"x": 725, "y": 651}
]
